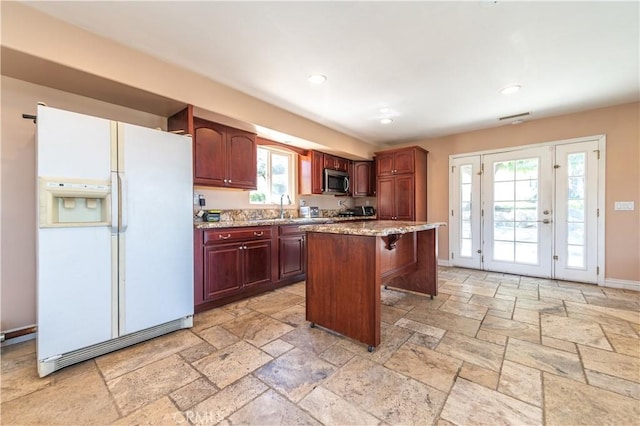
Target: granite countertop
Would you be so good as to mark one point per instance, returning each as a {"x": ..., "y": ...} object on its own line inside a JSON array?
[
  {"x": 270, "y": 222},
  {"x": 378, "y": 228}
]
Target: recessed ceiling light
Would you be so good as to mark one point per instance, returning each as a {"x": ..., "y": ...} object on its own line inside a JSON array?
[
  {"x": 386, "y": 121},
  {"x": 317, "y": 78},
  {"x": 510, "y": 89}
]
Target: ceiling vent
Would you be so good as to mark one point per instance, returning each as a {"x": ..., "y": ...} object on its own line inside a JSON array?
[{"x": 510, "y": 117}]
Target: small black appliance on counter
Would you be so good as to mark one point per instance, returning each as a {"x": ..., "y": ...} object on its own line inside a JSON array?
[{"x": 364, "y": 211}]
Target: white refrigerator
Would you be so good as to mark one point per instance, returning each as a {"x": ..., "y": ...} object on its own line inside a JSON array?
[{"x": 115, "y": 236}]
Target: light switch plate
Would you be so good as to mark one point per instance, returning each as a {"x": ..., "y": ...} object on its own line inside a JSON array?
[{"x": 624, "y": 205}]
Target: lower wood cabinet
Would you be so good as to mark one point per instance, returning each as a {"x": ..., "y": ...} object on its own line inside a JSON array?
[
  {"x": 235, "y": 263},
  {"x": 230, "y": 267},
  {"x": 291, "y": 252}
]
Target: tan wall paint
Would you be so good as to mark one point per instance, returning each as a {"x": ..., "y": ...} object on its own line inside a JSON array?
[{"x": 620, "y": 124}]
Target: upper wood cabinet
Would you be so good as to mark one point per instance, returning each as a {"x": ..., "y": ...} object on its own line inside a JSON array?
[
  {"x": 402, "y": 184},
  {"x": 362, "y": 179},
  {"x": 311, "y": 169},
  {"x": 222, "y": 156},
  {"x": 395, "y": 162},
  {"x": 335, "y": 163}
]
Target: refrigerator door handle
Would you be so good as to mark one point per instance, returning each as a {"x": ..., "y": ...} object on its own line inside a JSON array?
[
  {"x": 123, "y": 202},
  {"x": 115, "y": 202}
]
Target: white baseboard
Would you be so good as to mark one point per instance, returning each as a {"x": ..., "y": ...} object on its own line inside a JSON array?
[
  {"x": 20, "y": 339},
  {"x": 624, "y": 284},
  {"x": 444, "y": 262}
]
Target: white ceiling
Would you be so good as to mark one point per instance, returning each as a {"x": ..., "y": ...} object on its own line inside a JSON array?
[{"x": 437, "y": 66}]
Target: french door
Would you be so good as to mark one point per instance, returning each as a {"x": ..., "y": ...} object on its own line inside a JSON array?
[{"x": 530, "y": 211}]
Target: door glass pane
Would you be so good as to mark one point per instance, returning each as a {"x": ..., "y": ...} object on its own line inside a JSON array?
[
  {"x": 503, "y": 250},
  {"x": 527, "y": 190},
  {"x": 527, "y": 232},
  {"x": 527, "y": 169},
  {"x": 503, "y": 211},
  {"x": 466, "y": 229},
  {"x": 503, "y": 231},
  {"x": 465, "y": 247},
  {"x": 575, "y": 233},
  {"x": 527, "y": 253},
  {"x": 465, "y": 173},
  {"x": 527, "y": 211},
  {"x": 575, "y": 257},
  {"x": 503, "y": 171},
  {"x": 465, "y": 211},
  {"x": 576, "y": 210},
  {"x": 465, "y": 192},
  {"x": 503, "y": 191},
  {"x": 576, "y": 188}
]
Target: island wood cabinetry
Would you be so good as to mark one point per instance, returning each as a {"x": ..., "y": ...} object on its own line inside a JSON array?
[
  {"x": 311, "y": 169},
  {"x": 363, "y": 179},
  {"x": 343, "y": 292},
  {"x": 232, "y": 261},
  {"x": 402, "y": 184},
  {"x": 222, "y": 156}
]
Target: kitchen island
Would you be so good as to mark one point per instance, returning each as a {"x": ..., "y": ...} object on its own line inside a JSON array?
[{"x": 347, "y": 263}]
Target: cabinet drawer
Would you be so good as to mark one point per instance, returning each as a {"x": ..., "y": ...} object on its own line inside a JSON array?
[
  {"x": 213, "y": 236},
  {"x": 289, "y": 229}
]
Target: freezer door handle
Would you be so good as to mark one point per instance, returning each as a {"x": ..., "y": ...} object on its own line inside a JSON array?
[
  {"x": 115, "y": 201},
  {"x": 123, "y": 202}
]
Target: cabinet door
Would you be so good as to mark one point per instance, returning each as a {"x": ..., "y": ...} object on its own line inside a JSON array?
[
  {"x": 292, "y": 256},
  {"x": 386, "y": 198},
  {"x": 329, "y": 162},
  {"x": 242, "y": 159},
  {"x": 342, "y": 164},
  {"x": 317, "y": 172},
  {"x": 404, "y": 197},
  {"x": 209, "y": 155},
  {"x": 384, "y": 164},
  {"x": 403, "y": 162},
  {"x": 222, "y": 270},
  {"x": 361, "y": 179},
  {"x": 256, "y": 263}
]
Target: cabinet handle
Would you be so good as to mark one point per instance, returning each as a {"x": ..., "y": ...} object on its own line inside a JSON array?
[
  {"x": 229, "y": 181},
  {"x": 224, "y": 180},
  {"x": 222, "y": 237},
  {"x": 258, "y": 234}
]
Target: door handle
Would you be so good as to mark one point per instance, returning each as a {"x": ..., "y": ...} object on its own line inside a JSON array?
[{"x": 546, "y": 221}]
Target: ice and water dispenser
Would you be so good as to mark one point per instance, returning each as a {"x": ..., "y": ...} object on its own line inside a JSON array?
[{"x": 69, "y": 202}]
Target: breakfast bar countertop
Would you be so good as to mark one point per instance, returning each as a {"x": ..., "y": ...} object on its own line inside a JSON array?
[{"x": 374, "y": 228}]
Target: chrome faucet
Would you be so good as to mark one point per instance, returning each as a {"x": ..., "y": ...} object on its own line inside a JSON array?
[{"x": 281, "y": 204}]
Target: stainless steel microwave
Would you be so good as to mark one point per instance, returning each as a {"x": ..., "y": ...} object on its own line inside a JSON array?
[{"x": 335, "y": 182}]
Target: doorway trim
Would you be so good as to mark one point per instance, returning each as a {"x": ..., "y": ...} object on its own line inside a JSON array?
[{"x": 602, "y": 142}]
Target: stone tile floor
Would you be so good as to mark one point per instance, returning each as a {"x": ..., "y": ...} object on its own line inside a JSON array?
[{"x": 489, "y": 349}]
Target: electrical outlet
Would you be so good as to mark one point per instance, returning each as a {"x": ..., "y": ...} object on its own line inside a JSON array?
[{"x": 624, "y": 205}]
